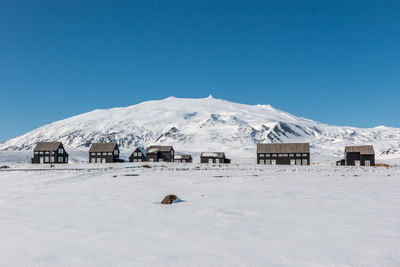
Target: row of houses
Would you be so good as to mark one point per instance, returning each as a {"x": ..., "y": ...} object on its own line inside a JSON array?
[
  {"x": 54, "y": 152},
  {"x": 267, "y": 154}
]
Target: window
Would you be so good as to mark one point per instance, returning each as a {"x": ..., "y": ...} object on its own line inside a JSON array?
[
  {"x": 98, "y": 154},
  {"x": 139, "y": 154},
  {"x": 172, "y": 152},
  {"x": 160, "y": 160},
  {"x": 36, "y": 152},
  {"x": 261, "y": 161},
  {"x": 46, "y": 159},
  {"x": 261, "y": 155},
  {"x": 291, "y": 155},
  {"x": 60, "y": 159},
  {"x": 285, "y": 155},
  {"x": 274, "y": 155},
  {"x": 116, "y": 152},
  {"x": 135, "y": 154},
  {"x": 367, "y": 163},
  {"x": 52, "y": 159},
  {"x": 210, "y": 160},
  {"x": 273, "y": 162},
  {"x": 304, "y": 155},
  {"x": 139, "y": 160},
  {"x": 46, "y": 152},
  {"x": 268, "y": 155},
  {"x": 292, "y": 162},
  {"x": 280, "y": 155},
  {"x": 110, "y": 153},
  {"x": 298, "y": 155},
  {"x": 93, "y": 160},
  {"x": 216, "y": 160},
  {"x": 66, "y": 159},
  {"x": 298, "y": 161},
  {"x": 98, "y": 160},
  {"x": 60, "y": 151},
  {"x": 305, "y": 162},
  {"x": 151, "y": 160},
  {"x": 267, "y": 162},
  {"x": 41, "y": 152}
]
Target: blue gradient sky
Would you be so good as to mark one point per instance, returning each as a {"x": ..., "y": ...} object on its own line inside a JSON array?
[{"x": 336, "y": 62}]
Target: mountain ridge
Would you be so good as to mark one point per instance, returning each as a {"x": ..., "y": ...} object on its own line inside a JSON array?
[{"x": 204, "y": 124}]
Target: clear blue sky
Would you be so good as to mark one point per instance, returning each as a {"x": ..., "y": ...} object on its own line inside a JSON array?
[{"x": 336, "y": 62}]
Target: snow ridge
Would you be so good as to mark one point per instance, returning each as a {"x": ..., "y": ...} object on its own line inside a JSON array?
[{"x": 206, "y": 124}]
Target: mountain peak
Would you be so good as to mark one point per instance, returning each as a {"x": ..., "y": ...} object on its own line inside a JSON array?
[{"x": 195, "y": 125}]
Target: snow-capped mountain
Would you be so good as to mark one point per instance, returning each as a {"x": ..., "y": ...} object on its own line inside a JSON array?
[{"x": 207, "y": 124}]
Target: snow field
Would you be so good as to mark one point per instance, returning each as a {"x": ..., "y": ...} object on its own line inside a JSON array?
[{"x": 233, "y": 215}]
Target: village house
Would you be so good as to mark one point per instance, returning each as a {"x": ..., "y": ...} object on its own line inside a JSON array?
[
  {"x": 160, "y": 154},
  {"x": 138, "y": 155},
  {"x": 214, "y": 157},
  {"x": 49, "y": 152},
  {"x": 283, "y": 153},
  {"x": 104, "y": 153},
  {"x": 183, "y": 158},
  {"x": 359, "y": 155}
]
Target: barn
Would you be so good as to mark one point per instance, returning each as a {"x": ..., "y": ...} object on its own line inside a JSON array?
[
  {"x": 214, "y": 157},
  {"x": 183, "y": 158},
  {"x": 160, "y": 153},
  {"x": 360, "y": 155},
  {"x": 104, "y": 153},
  {"x": 283, "y": 153},
  {"x": 49, "y": 152},
  {"x": 138, "y": 155}
]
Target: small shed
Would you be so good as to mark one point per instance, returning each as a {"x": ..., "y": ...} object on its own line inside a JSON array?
[
  {"x": 160, "y": 154},
  {"x": 183, "y": 158},
  {"x": 283, "y": 153},
  {"x": 214, "y": 157},
  {"x": 138, "y": 155},
  {"x": 104, "y": 153},
  {"x": 49, "y": 152},
  {"x": 360, "y": 155}
]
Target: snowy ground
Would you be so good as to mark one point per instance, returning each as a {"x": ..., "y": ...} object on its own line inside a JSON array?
[{"x": 237, "y": 215}]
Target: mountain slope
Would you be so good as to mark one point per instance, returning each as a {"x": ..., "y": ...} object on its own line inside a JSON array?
[{"x": 195, "y": 125}]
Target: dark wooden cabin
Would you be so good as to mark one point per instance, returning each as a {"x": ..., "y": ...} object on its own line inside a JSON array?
[
  {"x": 160, "y": 154},
  {"x": 359, "y": 155},
  {"x": 214, "y": 157},
  {"x": 49, "y": 152},
  {"x": 341, "y": 162},
  {"x": 183, "y": 158},
  {"x": 138, "y": 155},
  {"x": 283, "y": 153},
  {"x": 104, "y": 153}
]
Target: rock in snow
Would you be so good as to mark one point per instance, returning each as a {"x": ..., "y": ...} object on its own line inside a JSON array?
[{"x": 207, "y": 124}]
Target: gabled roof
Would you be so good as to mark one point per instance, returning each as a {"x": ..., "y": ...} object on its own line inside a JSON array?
[
  {"x": 213, "y": 154},
  {"x": 103, "y": 147},
  {"x": 155, "y": 149},
  {"x": 139, "y": 149},
  {"x": 283, "y": 148},
  {"x": 47, "y": 146},
  {"x": 185, "y": 157},
  {"x": 363, "y": 150}
]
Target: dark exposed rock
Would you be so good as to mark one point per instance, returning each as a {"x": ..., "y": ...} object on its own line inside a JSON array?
[{"x": 169, "y": 199}]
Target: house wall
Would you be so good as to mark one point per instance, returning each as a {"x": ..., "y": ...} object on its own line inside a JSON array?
[
  {"x": 284, "y": 160},
  {"x": 371, "y": 158},
  {"x": 108, "y": 158},
  {"x": 206, "y": 160},
  {"x": 133, "y": 158},
  {"x": 351, "y": 157}
]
